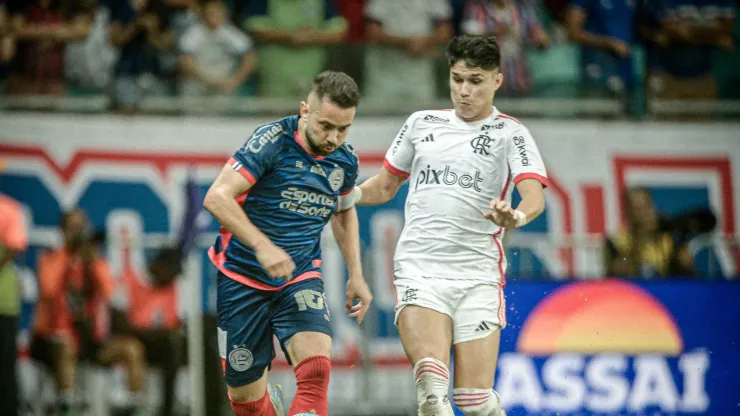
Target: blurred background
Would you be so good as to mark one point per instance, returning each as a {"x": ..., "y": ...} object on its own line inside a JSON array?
[{"x": 116, "y": 115}]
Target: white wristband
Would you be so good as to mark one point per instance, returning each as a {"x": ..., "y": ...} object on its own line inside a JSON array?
[
  {"x": 348, "y": 201},
  {"x": 521, "y": 219}
]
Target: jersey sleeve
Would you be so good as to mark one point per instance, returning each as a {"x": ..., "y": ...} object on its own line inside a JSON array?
[
  {"x": 255, "y": 158},
  {"x": 400, "y": 155},
  {"x": 524, "y": 157},
  {"x": 351, "y": 173}
]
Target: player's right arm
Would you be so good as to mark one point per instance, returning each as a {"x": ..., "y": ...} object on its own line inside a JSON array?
[
  {"x": 234, "y": 180},
  {"x": 382, "y": 187}
]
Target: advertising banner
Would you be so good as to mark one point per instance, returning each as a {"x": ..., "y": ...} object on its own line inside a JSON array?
[{"x": 617, "y": 347}]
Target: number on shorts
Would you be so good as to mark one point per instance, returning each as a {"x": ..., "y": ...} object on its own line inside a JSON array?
[{"x": 308, "y": 298}]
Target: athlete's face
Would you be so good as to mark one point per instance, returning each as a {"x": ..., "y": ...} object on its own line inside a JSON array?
[
  {"x": 327, "y": 125},
  {"x": 472, "y": 90}
]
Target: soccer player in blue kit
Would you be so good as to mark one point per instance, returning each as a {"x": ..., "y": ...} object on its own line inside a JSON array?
[{"x": 273, "y": 199}]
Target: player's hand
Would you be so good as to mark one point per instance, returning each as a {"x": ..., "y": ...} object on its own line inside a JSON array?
[
  {"x": 275, "y": 261},
  {"x": 502, "y": 214},
  {"x": 358, "y": 291}
]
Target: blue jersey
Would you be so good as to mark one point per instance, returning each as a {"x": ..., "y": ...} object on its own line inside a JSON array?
[
  {"x": 293, "y": 196},
  {"x": 609, "y": 17}
]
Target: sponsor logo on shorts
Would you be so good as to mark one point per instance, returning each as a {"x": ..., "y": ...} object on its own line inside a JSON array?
[{"x": 241, "y": 359}]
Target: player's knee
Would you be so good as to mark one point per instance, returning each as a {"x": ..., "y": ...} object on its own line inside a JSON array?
[{"x": 478, "y": 402}]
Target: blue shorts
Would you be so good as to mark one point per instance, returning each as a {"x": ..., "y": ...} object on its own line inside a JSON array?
[{"x": 248, "y": 318}]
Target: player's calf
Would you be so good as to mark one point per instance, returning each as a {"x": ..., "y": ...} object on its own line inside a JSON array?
[
  {"x": 432, "y": 386},
  {"x": 478, "y": 402},
  {"x": 312, "y": 381},
  {"x": 310, "y": 350}
]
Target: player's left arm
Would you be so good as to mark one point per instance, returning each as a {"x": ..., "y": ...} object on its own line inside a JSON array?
[
  {"x": 346, "y": 228},
  {"x": 529, "y": 176}
]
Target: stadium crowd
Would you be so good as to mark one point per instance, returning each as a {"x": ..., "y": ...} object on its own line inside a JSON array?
[{"x": 130, "y": 49}]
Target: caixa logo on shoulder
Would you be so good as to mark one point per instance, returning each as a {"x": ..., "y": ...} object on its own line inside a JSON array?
[{"x": 602, "y": 347}]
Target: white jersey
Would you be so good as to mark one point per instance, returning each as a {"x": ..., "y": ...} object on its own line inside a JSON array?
[{"x": 455, "y": 168}]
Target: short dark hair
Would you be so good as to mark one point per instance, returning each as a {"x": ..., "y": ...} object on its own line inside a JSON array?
[
  {"x": 341, "y": 89},
  {"x": 477, "y": 51}
]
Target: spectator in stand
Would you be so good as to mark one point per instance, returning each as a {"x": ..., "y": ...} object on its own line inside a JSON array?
[
  {"x": 349, "y": 57},
  {"x": 89, "y": 62},
  {"x": 405, "y": 39},
  {"x": 681, "y": 36},
  {"x": 140, "y": 29},
  {"x": 216, "y": 57},
  {"x": 7, "y": 42},
  {"x": 291, "y": 37},
  {"x": 604, "y": 29},
  {"x": 514, "y": 23},
  {"x": 145, "y": 308},
  {"x": 183, "y": 15},
  {"x": 13, "y": 239},
  {"x": 71, "y": 321},
  {"x": 645, "y": 248},
  {"x": 42, "y": 29}
]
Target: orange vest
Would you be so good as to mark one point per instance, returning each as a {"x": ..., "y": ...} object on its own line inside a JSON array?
[
  {"x": 56, "y": 271},
  {"x": 150, "y": 307}
]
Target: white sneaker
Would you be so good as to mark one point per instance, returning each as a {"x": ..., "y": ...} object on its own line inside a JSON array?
[{"x": 276, "y": 398}]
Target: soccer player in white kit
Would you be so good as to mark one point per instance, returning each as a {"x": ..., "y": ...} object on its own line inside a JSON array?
[{"x": 449, "y": 265}]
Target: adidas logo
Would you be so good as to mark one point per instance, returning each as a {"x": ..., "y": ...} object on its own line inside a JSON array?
[
  {"x": 429, "y": 138},
  {"x": 483, "y": 327}
]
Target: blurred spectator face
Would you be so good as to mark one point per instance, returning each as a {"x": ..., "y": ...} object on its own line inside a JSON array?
[
  {"x": 139, "y": 5},
  {"x": 327, "y": 124},
  {"x": 75, "y": 228},
  {"x": 164, "y": 269},
  {"x": 641, "y": 212},
  {"x": 472, "y": 89},
  {"x": 214, "y": 14}
]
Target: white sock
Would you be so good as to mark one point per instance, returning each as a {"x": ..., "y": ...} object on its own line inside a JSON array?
[
  {"x": 478, "y": 402},
  {"x": 432, "y": 388}
]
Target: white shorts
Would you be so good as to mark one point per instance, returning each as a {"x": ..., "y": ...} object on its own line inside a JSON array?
[{"x": 477, "y": 309}]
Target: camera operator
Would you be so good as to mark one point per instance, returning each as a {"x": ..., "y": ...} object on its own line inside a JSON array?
[
  {"x": 72, "y": 318},
  {"x": 650, "y": 246}
]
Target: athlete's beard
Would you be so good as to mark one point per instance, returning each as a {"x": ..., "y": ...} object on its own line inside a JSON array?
[{"x": 313, "y": 146}]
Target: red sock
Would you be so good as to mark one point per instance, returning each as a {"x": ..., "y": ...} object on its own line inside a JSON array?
[
  {"x": 261, "y": 407},
  {"x": 312, "y": 379}
]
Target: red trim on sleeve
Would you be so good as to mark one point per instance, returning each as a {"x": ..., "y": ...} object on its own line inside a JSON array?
[
  {"x": 239, "y": 167},
  {"x": 522, "y": 176},
  {"x": 392, "y": 169}
]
